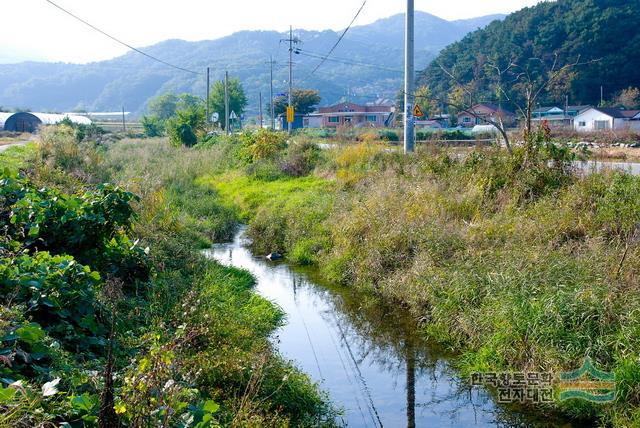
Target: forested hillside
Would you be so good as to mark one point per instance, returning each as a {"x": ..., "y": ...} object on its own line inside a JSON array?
[
  {"x": 600, "y": 35},
  {"x": 130, "y": 80}
]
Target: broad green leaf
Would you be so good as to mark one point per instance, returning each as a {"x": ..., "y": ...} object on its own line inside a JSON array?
[
  {"x": 84, "y": 402},
  {"x": 6, "y": 394},
  {"x": 31, "y": 333},
  {"x": 210, "y": 406}
]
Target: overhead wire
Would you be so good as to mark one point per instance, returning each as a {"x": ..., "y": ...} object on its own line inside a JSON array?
[
  {"x": 341, "y": 37},
  {"x": 299, "y": 51},
  {"x": 120, "y": 41}
]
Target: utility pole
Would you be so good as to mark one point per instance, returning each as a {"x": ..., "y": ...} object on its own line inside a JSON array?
[
  {"x": 289, "y": 124},
  {"x": 272, "y": 108},
  {"x": 260, "y": 110},
  {"x": 601, "y": 95},
  {"x": 226, "y": 102},
  {"x": 207, "y": 100},
  {"x": 124, "y": 125},
  {"x": 291, "y": 41},
  {"x": 409, "y": 84}
]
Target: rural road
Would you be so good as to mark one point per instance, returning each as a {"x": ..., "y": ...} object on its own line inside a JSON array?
[{"x": 6, "y": 146}]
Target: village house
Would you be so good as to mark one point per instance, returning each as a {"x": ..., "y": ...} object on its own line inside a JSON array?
[
  {"x": 599, "y": 119},
  {"x": 557, "y": 117},
  {"x": 350, "y": 114},
  {"x": 484, "y": 113}
]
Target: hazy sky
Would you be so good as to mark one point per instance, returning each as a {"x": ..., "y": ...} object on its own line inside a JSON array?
[{"x": 34, "y": 29}]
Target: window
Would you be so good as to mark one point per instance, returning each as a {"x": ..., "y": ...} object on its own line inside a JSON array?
[
  {"x": 466, "y": 119},
  {"x": 601, "y": 124},
  {"x": 334, "y": 119},
  {"x": 372, "y": 118},
  {"x": 582, "y": 124},
  {"x": 348, "y": 119}
]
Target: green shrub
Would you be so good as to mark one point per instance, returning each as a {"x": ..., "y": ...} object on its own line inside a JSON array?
[
  {"x": 301, "y": 158},
  {"x": 187, "y": 126},
  {"x": 153, "y": 126}
]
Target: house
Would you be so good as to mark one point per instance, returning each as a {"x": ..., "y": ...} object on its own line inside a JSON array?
[
  {"x": 482, "y": 113},
  {"x": 313, "y": 120},
  {"x": 359, "y": 116},
  {"x": 283, "y": 125},
  {"x": 598, "y": 119},
  {"x": 557, "y": 117}
]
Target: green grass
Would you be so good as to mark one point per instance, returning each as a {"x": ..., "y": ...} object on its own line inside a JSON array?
[
  {"x": 511, "y": 261},
  {"x": 17, "y": 157},
  {"x": 197, "y": 326}
]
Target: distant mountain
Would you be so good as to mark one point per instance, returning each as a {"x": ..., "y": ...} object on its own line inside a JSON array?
[
  {"x": 601, "y": 34},
  {"x": 130, "y": 80}
]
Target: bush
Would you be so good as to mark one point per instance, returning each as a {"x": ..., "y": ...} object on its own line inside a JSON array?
[
  {"x": 263, "y": 144},
  {"x": 301, "y": 158},
  {"x": 153, "y": 126},
  {"x": 187, "y": 126}
]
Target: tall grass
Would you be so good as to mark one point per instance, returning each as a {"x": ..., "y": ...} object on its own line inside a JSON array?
[
  {"x": 513, "y": 261},
  {"x": 200, "y": 334}
]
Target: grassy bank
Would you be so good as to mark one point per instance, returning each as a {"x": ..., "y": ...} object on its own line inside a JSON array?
[
  {"x": 511, "y": 260},
  {"x": 172, "y": 338}
]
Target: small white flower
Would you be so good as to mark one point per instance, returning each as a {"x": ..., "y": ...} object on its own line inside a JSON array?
[
  {"x": 169, "y": 384},
  {"x": 50, "y": 388}
]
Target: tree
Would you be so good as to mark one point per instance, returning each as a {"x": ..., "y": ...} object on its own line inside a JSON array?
[
  {"x": 304, "y": 101},
  {"x": 187, "y": 126},
  {"x": 237, "y": 99},
  {"x": 424, "y": 98},
  {"x": 166, "y": 105},
  {"x": 629, "y": 98},
  {"x": 514, "y": 84},
  {"x": 163, "y": 106}
]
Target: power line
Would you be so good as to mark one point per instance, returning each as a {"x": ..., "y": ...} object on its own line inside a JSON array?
[
  {"x": 345, "y": 61},
  {"x": 120, "y": 41},
  {"x": 341, "y": 37}
]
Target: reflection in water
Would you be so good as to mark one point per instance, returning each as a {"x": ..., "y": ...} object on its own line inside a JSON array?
[{"x": 365, "y": 354}]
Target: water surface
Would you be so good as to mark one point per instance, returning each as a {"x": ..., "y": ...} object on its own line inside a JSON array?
[{"x": 365, "y": 354}]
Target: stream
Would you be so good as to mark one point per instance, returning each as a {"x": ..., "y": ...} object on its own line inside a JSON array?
[{"x": 365, "y": 354}]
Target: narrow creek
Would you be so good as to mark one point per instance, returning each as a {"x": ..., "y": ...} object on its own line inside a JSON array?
[{"x": 367, "y": 356}]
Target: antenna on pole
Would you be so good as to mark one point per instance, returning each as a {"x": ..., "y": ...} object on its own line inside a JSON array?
[{"x": 409, "y": 83}]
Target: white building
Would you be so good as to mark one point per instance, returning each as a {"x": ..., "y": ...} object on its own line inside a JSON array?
[{"x": 599, "y": 119}]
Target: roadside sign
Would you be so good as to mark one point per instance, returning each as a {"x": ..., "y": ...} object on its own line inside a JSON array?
[
  {"x": 417, "y": 111},
  {"x": 290, "y": 114},
  {"x": 233, "y": 115},
  {"x": 215, "y": 117}
]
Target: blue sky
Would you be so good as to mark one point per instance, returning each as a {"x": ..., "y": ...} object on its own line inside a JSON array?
[{"x": 38, "y": 31}]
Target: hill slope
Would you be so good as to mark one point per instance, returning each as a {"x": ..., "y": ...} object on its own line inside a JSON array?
[
  {"x": 605, "y": 31},
  {"x": 131, "y": 79}
]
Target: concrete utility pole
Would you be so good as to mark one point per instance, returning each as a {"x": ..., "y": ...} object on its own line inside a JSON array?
[
  {"x": 226, "y": 102},
  {"x": 289, "y": 124},
  {"x": 260, "y": 110},
  {"x": 271, "y": 108},
  {"x": 207, "y": 100},
  {"x": 409, "y": 84},
  {"x": 124, "y": 122}
]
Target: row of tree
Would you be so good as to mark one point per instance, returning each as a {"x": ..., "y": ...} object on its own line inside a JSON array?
[{"x": 183, "y": 117}]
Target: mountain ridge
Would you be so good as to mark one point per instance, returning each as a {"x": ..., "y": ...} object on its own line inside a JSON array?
[{"x": 131, "y": 79}]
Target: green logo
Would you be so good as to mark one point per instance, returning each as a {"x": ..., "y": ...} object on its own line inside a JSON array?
[{"x": 587, "y": 383}]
